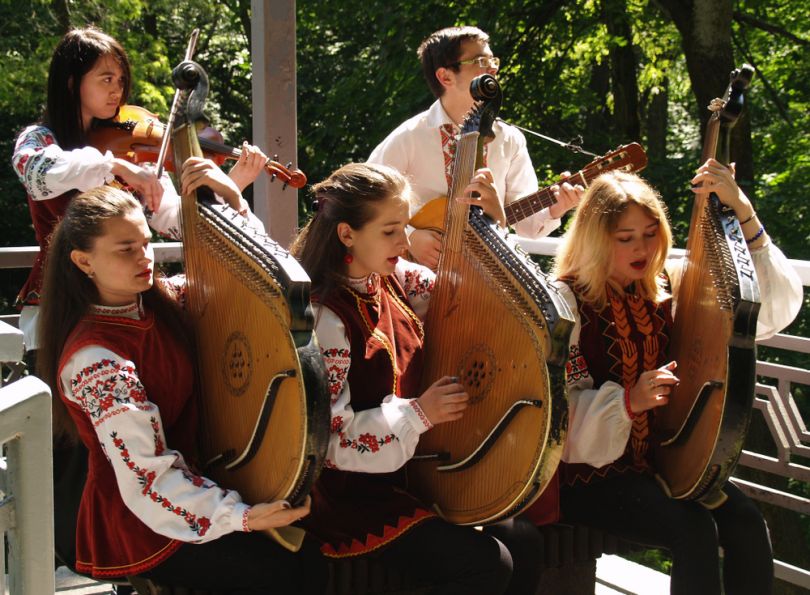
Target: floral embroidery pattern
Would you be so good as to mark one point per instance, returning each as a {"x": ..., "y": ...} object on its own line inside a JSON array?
[
  {"x": 364, "y": 443},
  {"x": 159, "y": 446},
  {"x": 576, "y": 368},
  {"x": 416, "y": 286},
  {"x": 337, "y": 366},
  {"x": 30, "y": 164},
  {"x": 367, "y": 442},
  {"x": 104, "y": 384},
  {"x": 198, "y": 525}
]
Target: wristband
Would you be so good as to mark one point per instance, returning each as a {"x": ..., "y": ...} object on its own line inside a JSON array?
[
  {"x": 756, "y": 235},
  {"x": 630, "y": 413}
]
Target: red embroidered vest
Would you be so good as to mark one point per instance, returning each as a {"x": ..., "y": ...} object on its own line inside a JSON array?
[
  {"x": 110, "y": 540},
  {"x": 45, "y": 214},
  {"x": 628, "y": 336},
  {"x": 354, "y": 513}
]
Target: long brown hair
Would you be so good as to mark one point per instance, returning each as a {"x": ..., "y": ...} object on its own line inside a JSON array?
[
  {"x": 351, "y": 195},
  {"x": 75, "y": 55},
  {"x": 68, "y": 292},
  {"x": 586, "y": 253}
]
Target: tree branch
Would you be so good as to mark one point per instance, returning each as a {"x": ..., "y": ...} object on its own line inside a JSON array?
[
  {"x": 770, "y": 28},
  {"x": 746, "y": 51}
]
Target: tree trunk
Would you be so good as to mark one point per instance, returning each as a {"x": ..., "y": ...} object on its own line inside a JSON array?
[
  {"x": 597, "y": 120},
  {"x": 623, "y": 71},
  {"x": 657, "y": 123},
  {"x": 705, "y": 28}
]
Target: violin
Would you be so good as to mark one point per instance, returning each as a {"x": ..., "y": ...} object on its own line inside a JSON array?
[{"x": 135, "y": 134}]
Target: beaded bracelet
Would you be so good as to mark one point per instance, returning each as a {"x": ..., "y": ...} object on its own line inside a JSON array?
[
  {"x": 627, "y": 404},
  {"x": 756, "y": 235},
  {"x": 753, "y": 214}
]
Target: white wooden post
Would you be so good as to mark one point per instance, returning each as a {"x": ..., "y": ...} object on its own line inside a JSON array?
[{"x": 26, "y": 511}]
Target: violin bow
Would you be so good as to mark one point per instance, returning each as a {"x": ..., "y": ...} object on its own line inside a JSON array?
[{"x": 164, "y": 144}]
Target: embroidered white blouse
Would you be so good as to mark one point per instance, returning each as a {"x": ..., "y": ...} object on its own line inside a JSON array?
[
  {"x": 414, "y": 148},
  {"x": 598, "y": 423},
  {"x": 131, "y": 418},
  {"x": 384, "y": 438},
  {"x": 48, "y": 171}
]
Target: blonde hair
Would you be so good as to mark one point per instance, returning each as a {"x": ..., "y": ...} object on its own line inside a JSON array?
[{"x": 586, "y": 254}]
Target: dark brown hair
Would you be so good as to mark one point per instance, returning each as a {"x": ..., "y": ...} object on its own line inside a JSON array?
[
  {"x": 68, "y": 292},
  {"x": 74, "y": 56},
  {"x": 350, "y": 194},
  {"x": 442, "y": 49}
]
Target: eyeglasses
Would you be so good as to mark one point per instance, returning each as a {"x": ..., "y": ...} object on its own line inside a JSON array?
[{"x": 482, "y": 62}]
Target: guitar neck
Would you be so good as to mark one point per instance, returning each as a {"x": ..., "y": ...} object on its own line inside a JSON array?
[
  {"x": 627, "y": 157},
  {"x": 525, "y": 207}
]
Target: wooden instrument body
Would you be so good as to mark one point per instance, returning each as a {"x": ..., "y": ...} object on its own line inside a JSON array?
[
  {"x": 703, "y": 426},
  {"x": 503, "y": 330},
  {"x": 630, "y": 157},
  {"x": 263, "y": 392},
  {"x": 507, "y": 340}
]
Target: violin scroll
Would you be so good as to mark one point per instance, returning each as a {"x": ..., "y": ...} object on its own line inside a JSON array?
[{"x": 291, "y": 177}]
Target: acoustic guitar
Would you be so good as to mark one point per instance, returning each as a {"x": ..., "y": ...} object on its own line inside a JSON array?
[{"x": 629, "y": 157}]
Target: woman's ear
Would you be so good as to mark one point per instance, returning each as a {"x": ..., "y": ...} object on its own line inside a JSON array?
[
  {"x": 345, "y": 234},
  {"x": 82, "y": 261}
]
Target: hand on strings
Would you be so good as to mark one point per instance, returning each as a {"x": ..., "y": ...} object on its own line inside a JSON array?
[
  {"x": 445, "y": 400},
  {"x": 482, "y": 192},
  {"x": 250, "y": 164},
  {"x": 652, "y": 388},
  {"x": 715, "y": 177},
  {"x": 270, "y": 515},
  {"x": 143, "y": 181},
  {"x": 426, "y": 246},
  {"x": 198, "y": 172},
  {"x": 566, "y": 195}
]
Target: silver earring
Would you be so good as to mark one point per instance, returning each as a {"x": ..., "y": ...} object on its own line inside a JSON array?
[{"x": 90, "y": 275}]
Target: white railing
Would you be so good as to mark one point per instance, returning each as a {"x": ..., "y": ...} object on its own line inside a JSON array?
[
  {"x": 788, "y": 430},
  {"x": 26, "y": 508}
]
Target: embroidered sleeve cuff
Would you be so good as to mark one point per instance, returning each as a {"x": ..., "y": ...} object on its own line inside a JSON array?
[
  {"x": 245, "y": 514},
  {"x": 401, "y": 416},
  {"x": 421, "y": 414},
  {"x": 239, "y": 516}
]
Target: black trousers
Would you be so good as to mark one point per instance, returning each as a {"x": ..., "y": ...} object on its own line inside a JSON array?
[
  {"x": 245, "y": 564},
  {"x": 636, "y": 508},
  {"x": 524, "y": 542},
  {"x": 456, "y": 560}
]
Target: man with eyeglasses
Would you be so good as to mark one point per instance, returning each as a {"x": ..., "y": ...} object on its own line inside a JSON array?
[{"x": 422, "y": 147}]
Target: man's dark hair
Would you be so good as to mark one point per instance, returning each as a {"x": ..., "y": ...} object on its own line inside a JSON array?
[{"x": 442, "y": 49}]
